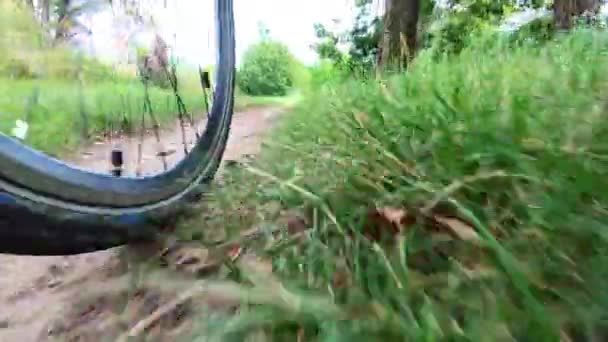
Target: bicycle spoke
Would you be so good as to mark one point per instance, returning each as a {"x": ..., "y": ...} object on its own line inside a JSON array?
[
  {"x": 205, "y": 85},
  {"x": 81, "y": 105},
  {"x": 140, "y": 152},
  {"x": 155, "y": 125},
  {"x": 181, "y": 107}
]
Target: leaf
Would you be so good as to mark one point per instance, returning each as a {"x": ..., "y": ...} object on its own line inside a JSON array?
[
  {"x": 296, "y": 224},
  {"x": 192, "y": 259},
  {"x": 234, "y": 252},
  {"x": 459, "y": 229},
  {"x": 257, "y": 265},
  {"x": 341, "y": 277},
  {"x": 393, "y": 215},
  {"x": 385, "y": 223},
  {"x": 258, "y": 270},
  {"x": 361, "y": 118}
]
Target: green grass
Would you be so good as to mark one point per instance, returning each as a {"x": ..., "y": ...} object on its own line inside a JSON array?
[
  {"x": 54, "y": 116},
  {"x": 510, "y": 142}
]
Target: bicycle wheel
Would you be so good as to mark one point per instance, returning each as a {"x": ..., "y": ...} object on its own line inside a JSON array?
[{"x": 48, "y": 207}]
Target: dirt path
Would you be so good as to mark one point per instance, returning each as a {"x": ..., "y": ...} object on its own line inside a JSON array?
[{"x": 35, "y": 290}]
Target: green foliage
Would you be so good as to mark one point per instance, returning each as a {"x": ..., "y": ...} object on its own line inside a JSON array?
[
  {"x": 27, "y": 51},
  {"x": 300, "y": 74},
  {"x": 509, "y": 138},
  {"x": 267, "y": 69},
  {"x": 446, "y": 31},
  {"x": 363, "y": 38},
  {"x": 540, "y": 30},
  {"x": 326, "y": 74},
  {"x": 327, "y": 46},
  {"x": 452, "y": 29},
  {"x": 54, "y": 120},
  {"x": 68, "y": 13}
]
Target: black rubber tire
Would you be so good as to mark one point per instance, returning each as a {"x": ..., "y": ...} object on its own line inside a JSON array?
[{"x": 50, "y": 208}]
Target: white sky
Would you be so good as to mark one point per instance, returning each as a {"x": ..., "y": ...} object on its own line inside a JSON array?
[{"x": 290, "y": 21}]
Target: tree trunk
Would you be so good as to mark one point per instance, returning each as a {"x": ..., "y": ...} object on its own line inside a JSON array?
[
  {"x": 62, "y": 32},
  {"x": 566, "y": 10},
  {"x": 45, "y": 11},
  {"x": 154, "y": 65},
  {"x": 399, "y": 43}
]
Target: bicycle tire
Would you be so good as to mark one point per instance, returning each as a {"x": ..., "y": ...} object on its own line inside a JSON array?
[{"x": 48, "y": 207}]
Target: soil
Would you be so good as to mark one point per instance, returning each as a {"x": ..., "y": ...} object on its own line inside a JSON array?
[{"x": 55, "y": 298}]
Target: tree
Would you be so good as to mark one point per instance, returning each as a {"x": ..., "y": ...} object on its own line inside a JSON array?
[
  {"x": 327, "y": 46},
  {"x": 566, "y": 10},
  {"x": 399, "y": 43},
  {"x": 387, "y": 39},
  {"x": 267, "y": 69},
  {"x": 45, "y": 11},
  {"x": 67, "y": 14},
  {"x": 363, "y": 39},
  {"x": 40, "y": 9},
  {"x": 64, "y": 20}
]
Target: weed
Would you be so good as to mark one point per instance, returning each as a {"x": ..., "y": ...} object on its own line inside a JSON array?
[{"x": 504, "y": 148}]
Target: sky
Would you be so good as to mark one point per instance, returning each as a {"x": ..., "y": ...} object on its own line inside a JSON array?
[{"x": 290, "y": 21}]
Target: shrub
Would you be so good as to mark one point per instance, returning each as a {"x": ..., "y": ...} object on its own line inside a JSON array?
[
  {"x": 510, "y": 137},
  {"x": 266, "y": 69}
]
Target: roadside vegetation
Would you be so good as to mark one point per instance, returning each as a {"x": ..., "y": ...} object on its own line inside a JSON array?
[{"x": 461, "y": 198}]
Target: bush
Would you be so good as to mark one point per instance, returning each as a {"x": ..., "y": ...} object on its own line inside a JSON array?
[
  {"x": 266, "y": 69},
  {"x": 509, "y": 139}
]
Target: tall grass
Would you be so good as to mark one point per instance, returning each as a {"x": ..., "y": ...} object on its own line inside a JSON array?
[
  {"x": 508, "y": 143},
  {"x": 59, "y": 113}
]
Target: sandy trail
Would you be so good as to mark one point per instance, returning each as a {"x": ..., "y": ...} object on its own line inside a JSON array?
[{"x": 34, "y": 290}]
